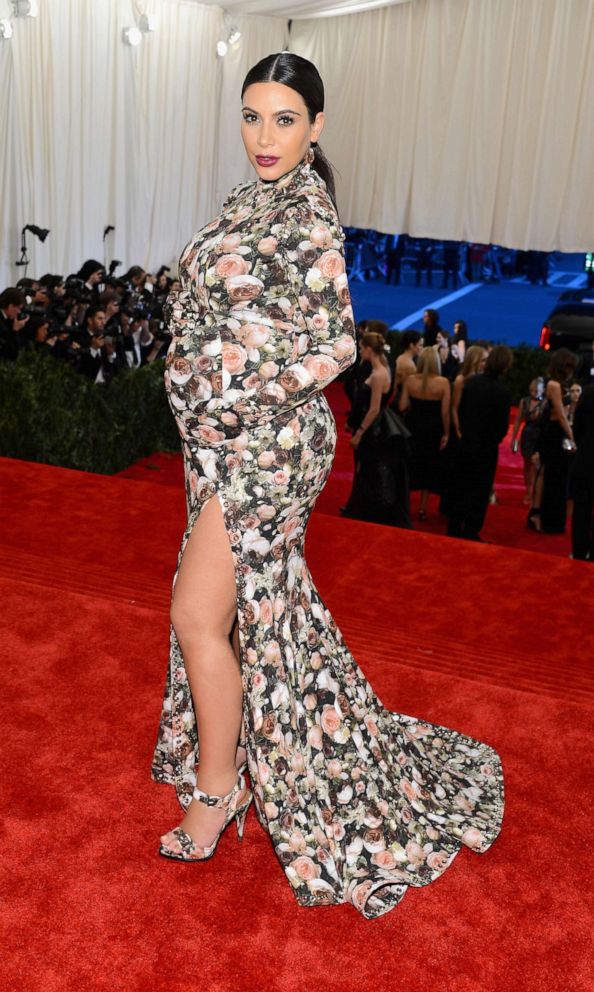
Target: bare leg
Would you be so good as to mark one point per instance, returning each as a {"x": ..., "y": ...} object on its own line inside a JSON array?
[
  {"x": 203, "y": 612},
  {"x": 423, "y": 505},
  {"x": 241, "y": 751}
]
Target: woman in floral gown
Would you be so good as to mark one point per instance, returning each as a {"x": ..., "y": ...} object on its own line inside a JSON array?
[{"x": 360, "y": 803}]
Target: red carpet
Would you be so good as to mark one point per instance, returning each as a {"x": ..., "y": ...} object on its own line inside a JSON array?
[
  {"x": 479, "y": 638},
  {"x": 506, "y": 520}
]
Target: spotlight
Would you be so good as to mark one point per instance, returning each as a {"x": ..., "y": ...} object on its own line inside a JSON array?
[
  {"x": 39, "y": 232},
  {"x": 234, "y": 36},
  {"x": 5, "y": 29},
  {"x": 222, "y": 48},
  {"x": 25, "y": 8},
  {"x": 148, "y": 22},
  {"x": 131, "y": 36}
]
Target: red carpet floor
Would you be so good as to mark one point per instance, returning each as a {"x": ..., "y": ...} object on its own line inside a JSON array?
[
  {"x": 480, "y": 638},
  {"x": 506, "y": 520}
]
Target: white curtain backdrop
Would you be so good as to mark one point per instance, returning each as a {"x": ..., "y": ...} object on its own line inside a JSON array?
[
  {"x": 462, "y": 119},
  {"x": 467, "y": 119},
  {"x": 95, "y": 132}
]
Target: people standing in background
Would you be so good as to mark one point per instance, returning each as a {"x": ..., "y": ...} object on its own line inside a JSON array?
[
  {"x": 477, "y": 254},
  {"x": 582, "y": 478},
  {"x": 406, "y": 363},
  {"x": 451, "y": 264},
  {"x": 575, "y": 392},
  {"x": 361, "y": 369},
  {"x": 12, "y": 339},
  {"x": 395, "y": 252},
  {"x": 474, "y": 362},
  {"x": 380, "y": 482},
  {"x": 556, "y": 442},
  {"x": 484, "y": 418},
  {"x": 430, "y": 327},
  {"x": 424, "y": 261},
  {"x": 528, "y": 418},
  {"x": 460, "y": 342},
  {"x": 448, "y": 362},
  {"x": 425, "y": 399}
]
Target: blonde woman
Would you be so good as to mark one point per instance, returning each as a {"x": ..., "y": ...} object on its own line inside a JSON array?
[
  {"x": 426, "y": 400},
  {"x": 474, "y": 362}
]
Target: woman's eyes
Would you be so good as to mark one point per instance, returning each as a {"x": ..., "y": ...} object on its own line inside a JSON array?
[{"x": 284, "y": 120}]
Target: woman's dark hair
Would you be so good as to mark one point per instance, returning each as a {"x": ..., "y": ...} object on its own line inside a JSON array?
[
  {"x": 462, "y": 332},
  {"x": 499, "y": 361},
  {"x": 408, "y": 338},
  {"x": 303, "y": 77},
  {"x": 562, "y": 365}
]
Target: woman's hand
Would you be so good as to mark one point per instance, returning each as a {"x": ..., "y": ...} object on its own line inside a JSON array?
[{"x": 356, "y": 439}]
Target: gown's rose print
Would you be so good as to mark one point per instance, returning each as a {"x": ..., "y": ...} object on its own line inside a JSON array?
[{"x": 359, "y": 802}]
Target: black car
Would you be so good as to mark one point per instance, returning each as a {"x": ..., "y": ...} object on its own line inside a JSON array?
[{"x": 571, "y": 323}]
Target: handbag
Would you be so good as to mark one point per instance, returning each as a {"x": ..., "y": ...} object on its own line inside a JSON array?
[{"x": 389, "y": 427}]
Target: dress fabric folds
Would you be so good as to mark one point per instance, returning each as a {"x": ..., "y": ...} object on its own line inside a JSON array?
[{"x": 360, "y": 803}]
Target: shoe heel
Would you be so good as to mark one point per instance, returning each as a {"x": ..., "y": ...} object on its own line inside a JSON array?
[{"x": 241, "y": 817}]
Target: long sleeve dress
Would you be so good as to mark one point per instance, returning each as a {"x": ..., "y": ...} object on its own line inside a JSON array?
[{"x": 359, "y": 802}]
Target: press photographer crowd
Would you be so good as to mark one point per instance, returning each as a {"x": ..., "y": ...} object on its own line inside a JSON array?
[{"x": 97, "y": 322}]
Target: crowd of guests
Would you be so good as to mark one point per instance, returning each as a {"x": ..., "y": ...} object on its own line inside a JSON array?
[
  {"x": 432, "y": 421},
  {"x": 372, "y": 255},
  {"x": 95, "y": 321}
]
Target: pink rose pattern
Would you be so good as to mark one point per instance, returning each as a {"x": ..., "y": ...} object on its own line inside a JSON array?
[{"x": 359, "y": 802}]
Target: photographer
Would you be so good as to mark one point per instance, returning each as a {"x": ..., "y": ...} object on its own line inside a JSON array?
[
  {"x": 90, "y": 275},
  {"x": 12, "y": 322},
  {"x": 98, "y": 358}
]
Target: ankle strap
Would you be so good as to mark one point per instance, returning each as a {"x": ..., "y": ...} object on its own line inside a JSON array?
[{"x": 219, "y": 801}]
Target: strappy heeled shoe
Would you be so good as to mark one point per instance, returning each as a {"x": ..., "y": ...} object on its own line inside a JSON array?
[{"x": 236, "y": 804}]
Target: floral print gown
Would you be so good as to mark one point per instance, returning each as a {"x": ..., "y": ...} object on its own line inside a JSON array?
[{"x": 360, "y": 803}]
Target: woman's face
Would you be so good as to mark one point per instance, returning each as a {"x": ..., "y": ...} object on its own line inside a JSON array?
[
  {"x": 276, "y": 129},
  {"x": 575, "y": 392},
  {"x": 482, "y": 362}
]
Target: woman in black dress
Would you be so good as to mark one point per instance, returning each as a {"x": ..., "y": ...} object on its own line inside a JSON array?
[
  {"x": 380, "y": 485},
  {"x": 555, "y": 443},
  {"x": 426, "y": 400},
  {"x": 529, "y": 414}
]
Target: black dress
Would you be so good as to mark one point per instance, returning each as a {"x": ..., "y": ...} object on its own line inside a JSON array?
[
  {"x": 484, "y": 420},
  {"x": 425, "y": 424},
  {"x": 380, "y": 492},
  {"x": 556, "y": 463}
]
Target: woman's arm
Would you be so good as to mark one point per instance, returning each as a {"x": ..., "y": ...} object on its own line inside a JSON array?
[
  {"x": 445, "y": 414},
  {"x": 287, "y": 324},
  {"x": 375, "y": 404},
  {"x": 518, "y": 422},
  {"x": 456, "y": 397},
  {"x": 553, "y": 395},
  {"x": 404, "y": 402}
]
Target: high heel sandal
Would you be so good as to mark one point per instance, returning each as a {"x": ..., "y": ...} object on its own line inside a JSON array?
[
  {"x": 236, "y": 804},
  {"x": 533, "y": 521}
]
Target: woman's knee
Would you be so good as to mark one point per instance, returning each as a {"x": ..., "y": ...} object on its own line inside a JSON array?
[{"x": 195, "y": 625}]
